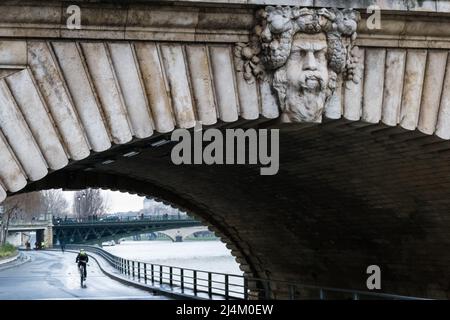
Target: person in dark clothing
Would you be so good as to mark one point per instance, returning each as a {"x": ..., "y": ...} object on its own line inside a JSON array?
[{"x": 82, "y": 259}]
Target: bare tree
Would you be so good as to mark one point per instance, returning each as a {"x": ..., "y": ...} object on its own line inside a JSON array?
[
  {"x": 53, "y": 202},
  {"x": 7, "y": 212},
  {"x": 21, "y": 207},
  {"x": 89, "y": 203}
]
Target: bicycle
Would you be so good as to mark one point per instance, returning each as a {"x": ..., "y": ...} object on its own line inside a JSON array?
[{"x": 82, "y": 277}]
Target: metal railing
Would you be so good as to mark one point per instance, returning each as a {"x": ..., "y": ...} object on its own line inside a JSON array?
[
  {"x": 172, "y": 218},
  {"x": 214, "y": 285},
  {"x": 28, "y": 221},
  {"x": 182, "y": 280}
]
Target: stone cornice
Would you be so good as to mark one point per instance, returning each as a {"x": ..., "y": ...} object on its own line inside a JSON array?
[
  {"x": 440, "y": 6},
  {"x": 205, "y": 21},
  {"x": 126, "y": 22},
  {"x": 391, "y": 5}
]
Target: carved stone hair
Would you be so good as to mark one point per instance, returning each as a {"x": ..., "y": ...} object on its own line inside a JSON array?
[
  {"x": 280, "y": 24},
  {"x": 270, "y": 45}
]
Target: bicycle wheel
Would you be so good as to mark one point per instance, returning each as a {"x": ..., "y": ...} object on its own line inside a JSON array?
[{"x": 81, "y": 275}]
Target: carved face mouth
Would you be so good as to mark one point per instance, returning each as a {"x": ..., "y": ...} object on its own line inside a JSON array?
[{"x": 312, "y": 83}]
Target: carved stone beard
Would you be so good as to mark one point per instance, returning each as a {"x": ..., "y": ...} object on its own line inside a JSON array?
[
  {"x": 304, "y": 105},
  {"x": 305, "y": 100}
]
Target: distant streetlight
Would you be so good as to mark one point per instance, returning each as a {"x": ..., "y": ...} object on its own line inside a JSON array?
[{"x": 79, "y": 198}]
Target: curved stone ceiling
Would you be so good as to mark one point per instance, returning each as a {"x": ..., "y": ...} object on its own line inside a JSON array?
[{"x": 62, "y": 100}]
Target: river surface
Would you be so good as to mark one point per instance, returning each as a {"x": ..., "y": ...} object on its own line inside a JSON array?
[{"x": 201, "y": 255}]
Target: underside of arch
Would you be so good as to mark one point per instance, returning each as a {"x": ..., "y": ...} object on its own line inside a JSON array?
[
  {"x": 346, "y": 197},
  {"x": 63, "y": 101}
]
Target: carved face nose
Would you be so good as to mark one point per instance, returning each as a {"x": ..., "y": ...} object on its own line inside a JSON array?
[{"x": 310, "y": 62}]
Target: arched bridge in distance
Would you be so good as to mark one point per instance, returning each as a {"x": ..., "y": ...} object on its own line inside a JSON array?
[{"x": 100, "y": 231}]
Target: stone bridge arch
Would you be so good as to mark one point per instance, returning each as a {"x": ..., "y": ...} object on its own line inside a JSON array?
[
  {"x": 183, "y": 232},
  {"x": 241, "y": 251},
  {"x": 367, "y": 184},
  {"x": 56, "y": 111}
]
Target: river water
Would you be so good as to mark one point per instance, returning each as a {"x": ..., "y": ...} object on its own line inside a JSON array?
[{"x": 210, "y": 255}]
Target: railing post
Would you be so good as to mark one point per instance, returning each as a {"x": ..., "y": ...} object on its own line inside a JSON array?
[
  {"x": 153, "y": 274},
  {"x": 132, "y": 266},
  {"x": 145, "y": 273},
  {"x": 266, "y": 289},
  {"x": 210, "y": 284},
  {"x": 170, "y": 276},
  {"x": 139, "y": 271},
  {"x": 160, "y": 275},
  {"x": 322, "y": 294},
  {"x": 182, "y": 279},
  {"x": 226, "y": 287},
  {"x": 245, "y": 288},
  {"x": 128, "y": 266},
  {"x": 194, "y": 276},
  {"x": 291, "y": 292}
]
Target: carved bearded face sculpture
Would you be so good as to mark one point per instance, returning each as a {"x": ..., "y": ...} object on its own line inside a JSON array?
[
  {"x": 303, "y": 53},
  {"x": 302, "y": 83}
]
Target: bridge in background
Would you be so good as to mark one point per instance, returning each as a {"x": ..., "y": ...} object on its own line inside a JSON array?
[
  {"x": 182, "y": 234},
  {"x": 43, "y": 229},
  {"x": 100, "y": 231}
]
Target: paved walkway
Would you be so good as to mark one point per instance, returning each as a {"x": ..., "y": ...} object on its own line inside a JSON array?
[{"x": 54, "y": 275}]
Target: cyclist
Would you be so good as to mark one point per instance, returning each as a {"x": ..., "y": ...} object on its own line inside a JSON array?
[{"x": 82, "y": 259}]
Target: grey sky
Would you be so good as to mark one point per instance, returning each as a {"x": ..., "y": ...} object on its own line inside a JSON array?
[{"x": 118, "y": 201}]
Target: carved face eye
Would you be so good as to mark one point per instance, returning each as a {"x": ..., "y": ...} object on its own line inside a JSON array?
[{"x": 318, "y": 54}]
